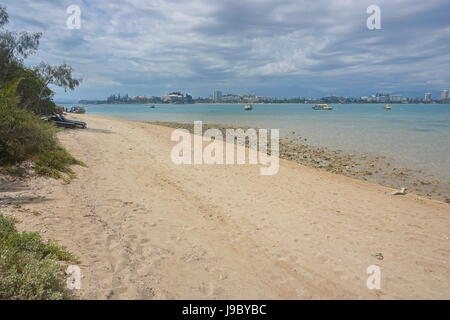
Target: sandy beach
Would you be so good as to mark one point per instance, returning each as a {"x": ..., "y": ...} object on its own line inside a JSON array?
[{"x": 145, "y": 228}]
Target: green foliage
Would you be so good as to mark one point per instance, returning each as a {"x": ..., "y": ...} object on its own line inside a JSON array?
[
  {"x": 60, "y": 76},
  {"x": 56, "y": 163},
  {"x": 6, "y": 226},
  {"x": 29, "y": 267},
  {"x": 9, "y": 91},
  {"x": 3, "y": 16},
  {"x": 24, "y": 95},
  {"x": 34, "y": 95},
  {"x": 14, "y": 47},
  {"x": 59, "y": 253},
  {"x": 8, "y": 95},
  {"x": 23, "y": 135}
]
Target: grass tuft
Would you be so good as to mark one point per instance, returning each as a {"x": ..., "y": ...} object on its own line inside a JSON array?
[
  {"x": 56, "y": 163},
  {"x": 31, "y": 269}
]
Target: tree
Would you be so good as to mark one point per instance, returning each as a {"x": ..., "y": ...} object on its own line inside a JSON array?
[
  {"x": 35, "y": 94},
  {"x": 3, "y": 16},
  {"x": 23, "y": 135},
  {"x": 60, "y": 76},
  {"x": 14, "y": 47},
  {"x": 8, "y": 95}
]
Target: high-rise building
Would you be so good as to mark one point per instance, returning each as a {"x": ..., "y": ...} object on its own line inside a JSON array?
[
  {"x": 217, "y": 95},
  {"x": 444, "y": 95},
  {"x": 427, "y": 97},
  {"x": 397, "y": 98}
]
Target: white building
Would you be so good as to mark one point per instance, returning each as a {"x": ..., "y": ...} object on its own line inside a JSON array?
[
  {"x": 444, "y": 95},
  {"x": 397, "y": 98},
  {"x": 217, "y": 95},
  {"x": 173, "y": 97},
  {"x": 382, "y": 99},
  {"x": 249, "y": 97},
  {"x": 427, "y": 97}
]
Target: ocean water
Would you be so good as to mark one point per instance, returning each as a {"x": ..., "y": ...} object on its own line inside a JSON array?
[{"x": 414, "y": 136}]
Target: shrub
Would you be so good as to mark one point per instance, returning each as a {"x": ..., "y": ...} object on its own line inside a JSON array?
[
  {"x": 29, "y": 267},
  {"x": 56, "y": 163},
  {"x": 23, "y": 135}
]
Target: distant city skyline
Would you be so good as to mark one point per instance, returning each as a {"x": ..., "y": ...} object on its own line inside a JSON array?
[
  {"x": 218, "y": 96},
  {"x": 273, "y": 48}
]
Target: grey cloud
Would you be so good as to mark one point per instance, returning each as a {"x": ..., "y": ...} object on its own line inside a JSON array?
[{"x": 289, "y": 47}]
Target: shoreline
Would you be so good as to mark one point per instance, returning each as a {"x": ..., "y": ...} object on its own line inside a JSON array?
[
  {"x": 375, "y": 169},
  {"x": 406, "y": 139},
  {"x": 145, "y": 228}
]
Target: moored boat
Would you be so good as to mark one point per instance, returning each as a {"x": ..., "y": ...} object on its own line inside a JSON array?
[
  {"x": 248, "y": 106},
  {"x": 388, "y": 107},
  {"x": 323, "y": 106},
  {"x": 77, "y": 109}
]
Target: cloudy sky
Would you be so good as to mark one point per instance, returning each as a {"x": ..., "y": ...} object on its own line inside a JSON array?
[{"x": 267, "y": 47}]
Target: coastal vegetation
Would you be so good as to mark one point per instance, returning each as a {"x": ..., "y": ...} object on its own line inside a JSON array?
[
  {"x": 25, "y": 97},
  {"x": 31, "y": 269}
]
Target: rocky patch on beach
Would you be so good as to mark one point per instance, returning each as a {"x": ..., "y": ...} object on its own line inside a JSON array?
[{"x": 372, "y": 168}]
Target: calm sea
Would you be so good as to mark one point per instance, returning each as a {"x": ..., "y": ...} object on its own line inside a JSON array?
[{"x": 416, "y": 136}]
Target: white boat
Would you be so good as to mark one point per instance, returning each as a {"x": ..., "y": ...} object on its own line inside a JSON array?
[
  {"x": 323, "y": 106},
  {"x": 248, "y": 106}
]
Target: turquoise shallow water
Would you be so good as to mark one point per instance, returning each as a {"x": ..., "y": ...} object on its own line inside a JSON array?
[{"x": 416, "y": 136}]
